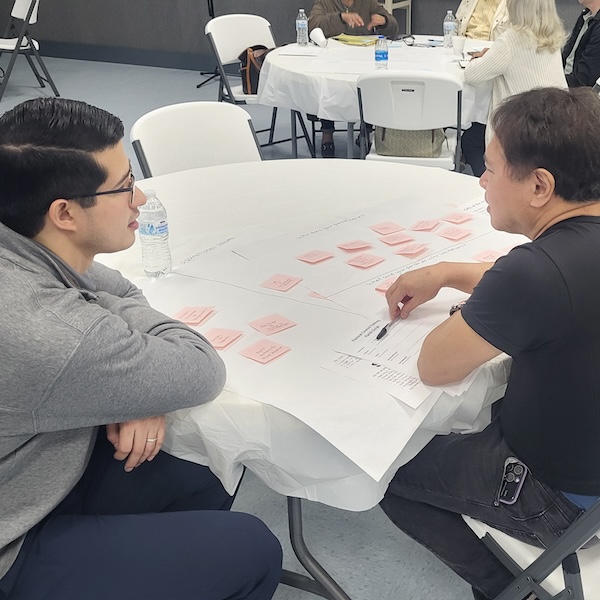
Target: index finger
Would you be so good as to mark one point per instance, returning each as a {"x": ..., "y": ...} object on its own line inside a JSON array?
[{"x": 396, "y": 294}]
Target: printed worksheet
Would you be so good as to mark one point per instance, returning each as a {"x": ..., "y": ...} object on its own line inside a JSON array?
[{"x": 402, "y": 383}]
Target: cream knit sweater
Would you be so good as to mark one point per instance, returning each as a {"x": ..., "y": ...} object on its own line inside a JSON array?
[{"x": 515, "y": 65}]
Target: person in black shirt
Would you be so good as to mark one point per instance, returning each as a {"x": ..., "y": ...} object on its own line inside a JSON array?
[
  {"x": 581, "y": 54},
  {"x": 541, "y": 305}
]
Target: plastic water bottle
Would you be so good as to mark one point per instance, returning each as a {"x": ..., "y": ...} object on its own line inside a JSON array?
[
  {"x": 596, "y": 86},
  {"x": 381, "y": 53},
  {"x": 302, "y": 28},
  {"x": 154, "y": 236},
  {"x": 450, "y": 29}
]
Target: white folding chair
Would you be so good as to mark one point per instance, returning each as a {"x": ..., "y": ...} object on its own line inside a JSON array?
[
  {"x": 413, "y": 100},
  {"x": 539, "y": 571},
  {"x": 24, "y": 13},
  {"x": 392, "y": 5},
  {"x": 229, "y": 36},
  {"x": 193, "y": 134}
]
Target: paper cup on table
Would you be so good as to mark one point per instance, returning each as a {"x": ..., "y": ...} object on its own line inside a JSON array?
[
  {"x": 458, "y": 44},
  {"x": 318, "y": 37}
]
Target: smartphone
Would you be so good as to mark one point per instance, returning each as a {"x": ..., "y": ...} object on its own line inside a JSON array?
[{"x": 513, "y": 477}]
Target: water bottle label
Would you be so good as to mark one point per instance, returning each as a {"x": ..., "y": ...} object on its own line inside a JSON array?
[
  {"x": 160, "y": 228},
  {"x": 449, "y": 28},
  {"x": 381, "y": 55}
]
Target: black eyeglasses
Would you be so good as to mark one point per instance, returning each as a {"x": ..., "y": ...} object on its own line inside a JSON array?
[{"x": 129, "y": 188}]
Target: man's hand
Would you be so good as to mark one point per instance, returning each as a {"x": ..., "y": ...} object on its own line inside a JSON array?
[
  {"x": 136, "y": 441},
  {"x": 413, "y": 289},
  {"x": 416, "y": 287},
  {"x": 352, "y": 19},
  {"x": 376, "y": 21}
]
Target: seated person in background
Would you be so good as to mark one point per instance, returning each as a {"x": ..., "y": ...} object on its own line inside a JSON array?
[
  {"x": 353, "y": 17},
  {"x": 525, "y": 56},
  {"x": 482, "y": 19},
  {"x": 89, "y": 506},
  {"x": 541, "y": 305},
  {"x": 581, "y": 54}
]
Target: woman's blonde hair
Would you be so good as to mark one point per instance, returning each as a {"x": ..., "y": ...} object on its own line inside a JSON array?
[{"x": 539, "y": 19}]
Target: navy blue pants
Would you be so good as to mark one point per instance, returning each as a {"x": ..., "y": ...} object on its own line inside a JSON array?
[
  {"x": 163, "y": 531},
  {"x": 461, "y": 474}
]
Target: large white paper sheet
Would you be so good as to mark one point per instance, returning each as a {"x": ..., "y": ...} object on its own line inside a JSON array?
[
  {"x": 367, "y": 412},
  {"x": 334, "y": 277}
]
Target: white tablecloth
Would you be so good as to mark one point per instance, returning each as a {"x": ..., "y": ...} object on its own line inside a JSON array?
[
  {"x": 325, "y": 84},
  {"x": 208, "y": 206}
]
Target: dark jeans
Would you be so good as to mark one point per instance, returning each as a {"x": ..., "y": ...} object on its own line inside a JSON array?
[
  {"x": 161, "y": 531},
  {"x": 473, "y": 148},
  {"x": 461, "y": 474}
]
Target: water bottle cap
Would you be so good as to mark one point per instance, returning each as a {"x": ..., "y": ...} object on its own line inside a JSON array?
[{"x": 149, "y": 193}]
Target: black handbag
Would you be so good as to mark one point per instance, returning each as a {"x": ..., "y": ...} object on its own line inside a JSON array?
[{"x": 252, "y": 59}]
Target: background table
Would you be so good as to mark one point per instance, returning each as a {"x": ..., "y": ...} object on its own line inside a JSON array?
[
  {"x": 207, "y": 205},
  {"x": 325, "y": 84}
]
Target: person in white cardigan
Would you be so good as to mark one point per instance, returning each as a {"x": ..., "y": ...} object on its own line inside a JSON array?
[{"x": 526, "y": 56}]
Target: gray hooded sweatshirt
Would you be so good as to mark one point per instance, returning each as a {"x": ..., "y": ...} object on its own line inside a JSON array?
[{"x": 78, "y": 352}]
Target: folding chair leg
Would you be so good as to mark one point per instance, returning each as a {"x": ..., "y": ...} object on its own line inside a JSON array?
[
  {"x": 294, "y": 134},
  {"x": 46, "y": 73},
  {"x": 311, "y": 147},
  {"x": 11, "y": 64},
  {"x": 272, "y": 128},
  {"x": 35, "y": 71},
  {"x": 350, "y": 140}
]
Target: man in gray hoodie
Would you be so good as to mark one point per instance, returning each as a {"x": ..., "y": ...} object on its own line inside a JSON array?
[{"x": 89, "y": 506}]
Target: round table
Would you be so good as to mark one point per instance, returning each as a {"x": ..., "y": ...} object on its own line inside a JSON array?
[
  {"x": 323, "y": 82},
  {"x": 209, "y": 205}
]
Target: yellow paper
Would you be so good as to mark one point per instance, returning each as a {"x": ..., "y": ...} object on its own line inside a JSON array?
[{"x": 356, "y": 40}]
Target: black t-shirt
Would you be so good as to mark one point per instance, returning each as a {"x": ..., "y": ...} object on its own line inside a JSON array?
[{"x": 541, "y": 305}]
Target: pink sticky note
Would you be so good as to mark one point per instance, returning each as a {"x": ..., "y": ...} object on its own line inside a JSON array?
[
  {"x": 354, "y": 245},
  {"x": 314, "y": 256},
  {"x": 222, "y": 338},
  {"x": 396, "y": 238},
  {"x": 454, "y": 233},
  {"x": 457, "y": 218},
  {"x": 412, "y": 249},
  {"x": 271, "y": 324},
  {"x": 194, "y": 315},
  {"x": 425, "y": 225},
  {"x": 365, "y": 261},
  {"x": 488, "y": 256},
  {"x": 385, "y": 285},
  {"x": 264, "y": 351},
  {"x": 317, "y": 295},
  {"x": 281, "y": 283},
  {"x": 386, "y": 227}
]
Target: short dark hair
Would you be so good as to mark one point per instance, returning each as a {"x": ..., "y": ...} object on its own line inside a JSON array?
[
  {"x": 45, "y": 154},
  {"x": 554, "y": 129}
]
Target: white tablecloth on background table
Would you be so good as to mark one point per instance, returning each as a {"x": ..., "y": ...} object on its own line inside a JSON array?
[
  {"x": 325, "y": 84},
  {"x": 208, "y": 206}
]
